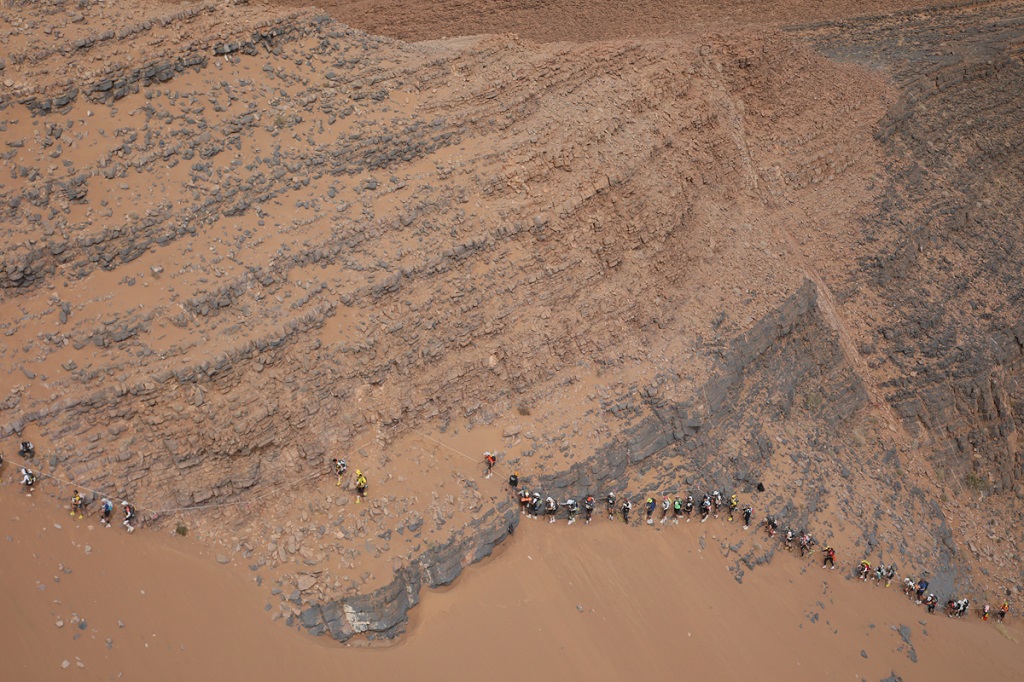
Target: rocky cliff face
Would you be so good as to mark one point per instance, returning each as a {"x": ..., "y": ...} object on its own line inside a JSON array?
[{"x": 241, "y": 241}]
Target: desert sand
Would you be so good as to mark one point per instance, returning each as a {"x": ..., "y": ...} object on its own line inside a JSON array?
[{"x": 604, "y": 601}]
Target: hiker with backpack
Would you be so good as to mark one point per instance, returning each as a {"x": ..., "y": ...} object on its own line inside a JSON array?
[
  {"x": 922, "y": 585},
  {"x": 535, "y": 504},
  {"x": 361, "y": 486},
  {"x": 705, "y": 508},
  {"x": 627, "y": 507},
  {"x": 129, "y": 515},
  {"x": 830, "y": 557},
  {"x": 890, "y": 574},
  {"x": 734, "y": 504},
  {"x": 716, "y": 502},
  {"x": 805, "y": 544},
  {"x": 879, "y": 574},
  {"x": 28, "y": 479},
  {"x": 513, "y": 481},
  {"x": 610, "y": 502},
  {"x": 489, "y": 461},
  {"x": 106, "y": 509},
  {"x": 588, "y": 509},
  {"x": 747, "y": 511},
  {"x": 524, "y": 502},
  {"x": 340, "y": 467},
  {"x": 574, "y": 507},
  {"x": 550, "y": 508},
  {"x": 77, "y": 504}
]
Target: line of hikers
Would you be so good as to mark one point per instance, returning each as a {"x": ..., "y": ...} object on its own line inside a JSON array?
[
  {"x": 340, "y": 468},
  {"x": 533, "y": 505},
  {"x": 30, "y": 479},
  {"x": 918, "y": 591}
]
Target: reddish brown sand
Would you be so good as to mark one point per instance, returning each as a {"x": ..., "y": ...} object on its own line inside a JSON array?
[{"x": 653, "y": 603}]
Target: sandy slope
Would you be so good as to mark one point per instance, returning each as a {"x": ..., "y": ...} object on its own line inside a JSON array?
[{"x": 653, "y": 603}]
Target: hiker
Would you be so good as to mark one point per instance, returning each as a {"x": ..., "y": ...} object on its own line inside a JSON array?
[
  {"x": 649, "y": 510},
  {"x": 627, "y": 506},
  {"x": 909, "y": 586},
  {"x": 28, "y": 478},
  {"x": 106, "y": 509},
  {"x": 489, "y": 461},
  {"x": 747, "y": 511},
  {"x": 550, "y": 508},
  {"x": 610, "y": 501},
  {"x": 865, "y": 569},
  {"x": 931, "y": 601},
  {"x": 688, "y": 507},
  {"x": 805, "y": 544},
  {"x": 922, "y": 585},
  {"x": 677, "y": 508},
  {"x": 950, "y": 606},
  {"x": 340, "y": 467},
  {"x": 705, "y": 508},
  {"x": 77, "y": 504},
  {"x": 961, "y": 607},
  {"x": 665, "y": 505},
  {"x": 513, "y": 481},
  {"x": 830, "y": 557},
  {"x": 588, "y": 509},
  {"x": 574, "y": 507},
  {"x": 716, "y": 502},
  {"x": 787, "y": 539},
  {"x": 535, "y": 504},
  {"x": 360, "y": 486},
  {"x": 890, "y": 574},
  {"x": 524, "y": 502},
  {"x": 770, "y": 525},
  {"x": 734, "y": 504},
  {"x": 129, "y": 515},
  {"x": 1003, "y": 610},
  {"x": 27, "y": 450},
  {"x": 879, "y": 574},
  {"x": 984, "y": 611}
]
